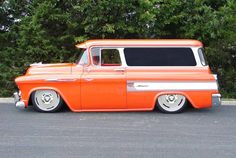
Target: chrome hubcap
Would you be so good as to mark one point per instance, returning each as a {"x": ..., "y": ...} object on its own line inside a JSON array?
[
  {"x": 171, "y": 98},
  {"x": 171, "y": 102},
  {"x": 47, "y": 100}
]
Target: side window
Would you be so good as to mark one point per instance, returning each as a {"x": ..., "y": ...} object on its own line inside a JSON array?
[
  {"x": 159, "y": 57},
  {"x": 95, "y": 53},
  {"x": 202, "y": 57},
  {"x": 110, "y": 57},
  {"x": 105, "y": 56}
]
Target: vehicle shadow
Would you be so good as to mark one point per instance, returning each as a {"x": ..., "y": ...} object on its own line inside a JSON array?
[{"x": 188, "y": 110}]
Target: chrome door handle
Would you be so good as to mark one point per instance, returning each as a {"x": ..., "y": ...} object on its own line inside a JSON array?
[{"x": 120, "y": 69}]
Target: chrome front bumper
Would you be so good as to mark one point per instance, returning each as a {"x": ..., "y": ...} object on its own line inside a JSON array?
[
  {"x": 216, "y": 100},
  {"x": 18, "y": 102}
]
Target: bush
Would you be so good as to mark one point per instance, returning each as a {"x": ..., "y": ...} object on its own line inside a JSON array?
[{"x": 47, "y": 30}]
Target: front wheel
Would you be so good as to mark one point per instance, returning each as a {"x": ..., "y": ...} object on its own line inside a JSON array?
[
  {"x": 171, "y": 103},
  {"x": 46, "y": 101}
]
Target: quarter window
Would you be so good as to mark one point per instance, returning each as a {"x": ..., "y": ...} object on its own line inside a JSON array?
[
  {"x": 202, "y": 56},
  {"x": 95, "y": 53},
  {"x": 159, "y": 57}
]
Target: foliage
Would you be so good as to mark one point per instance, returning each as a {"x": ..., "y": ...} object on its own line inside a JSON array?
[{"x": 47, "y": 30}]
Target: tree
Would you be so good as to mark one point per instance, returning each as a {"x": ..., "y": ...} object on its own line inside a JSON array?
[{"x": 47, "y": 30}]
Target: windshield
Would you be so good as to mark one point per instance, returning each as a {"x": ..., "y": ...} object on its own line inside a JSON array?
[{"x": 83, "y": 58}]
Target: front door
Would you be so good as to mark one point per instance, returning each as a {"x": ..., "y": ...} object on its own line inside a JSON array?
[{"x": 103, "y": 83}]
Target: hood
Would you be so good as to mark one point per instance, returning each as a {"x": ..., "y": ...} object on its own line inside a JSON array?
[{"x": 39, "y": 68}]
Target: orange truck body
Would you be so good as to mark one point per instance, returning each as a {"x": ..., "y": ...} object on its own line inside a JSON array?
[{"x": 111, "y": 88}]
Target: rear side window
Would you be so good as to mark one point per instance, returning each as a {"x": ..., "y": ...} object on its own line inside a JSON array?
[
  {"x": 159, "y": 57},
  {"x": 202, "y": 57}
]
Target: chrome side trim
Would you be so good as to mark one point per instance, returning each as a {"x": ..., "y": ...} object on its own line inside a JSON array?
[
  {"x": 169, "y": 85},
  {"x": 60, "y": 80},
  {"x": 216, "y": 100}
]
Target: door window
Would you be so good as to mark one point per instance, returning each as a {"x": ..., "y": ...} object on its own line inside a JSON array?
[
  {"x": 110, "y": 57},
  {"x": 105, "y": 56}
]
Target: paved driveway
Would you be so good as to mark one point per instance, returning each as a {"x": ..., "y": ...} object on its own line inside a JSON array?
[{"x": 194, "y": 133}]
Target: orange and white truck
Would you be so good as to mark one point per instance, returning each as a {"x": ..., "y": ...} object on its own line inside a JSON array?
[{"x": 123, "y": 75}]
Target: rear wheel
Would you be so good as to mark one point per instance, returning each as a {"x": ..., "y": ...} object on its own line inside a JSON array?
[
  {"x": 46, "y": 101},
  {"x": 171, "y": 103}
]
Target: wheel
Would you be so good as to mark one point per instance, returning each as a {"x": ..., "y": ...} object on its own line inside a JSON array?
[
  {"x": 46, "y": 101},
  {"x": 171, "y": 103}
]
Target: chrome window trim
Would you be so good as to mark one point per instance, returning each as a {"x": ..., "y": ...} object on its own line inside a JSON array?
[{"x": 123, "y": 60}]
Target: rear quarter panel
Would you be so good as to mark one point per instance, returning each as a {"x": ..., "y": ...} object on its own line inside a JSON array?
[{"x": 199, "y": 98}]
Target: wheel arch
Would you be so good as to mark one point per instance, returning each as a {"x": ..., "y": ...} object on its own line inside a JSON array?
[
  {"x": 173, "y": 92},
  {"x": 48, "y": 88}
]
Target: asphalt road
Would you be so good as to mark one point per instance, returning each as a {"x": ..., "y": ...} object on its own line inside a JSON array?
[{"x": 194, "y": 133}]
